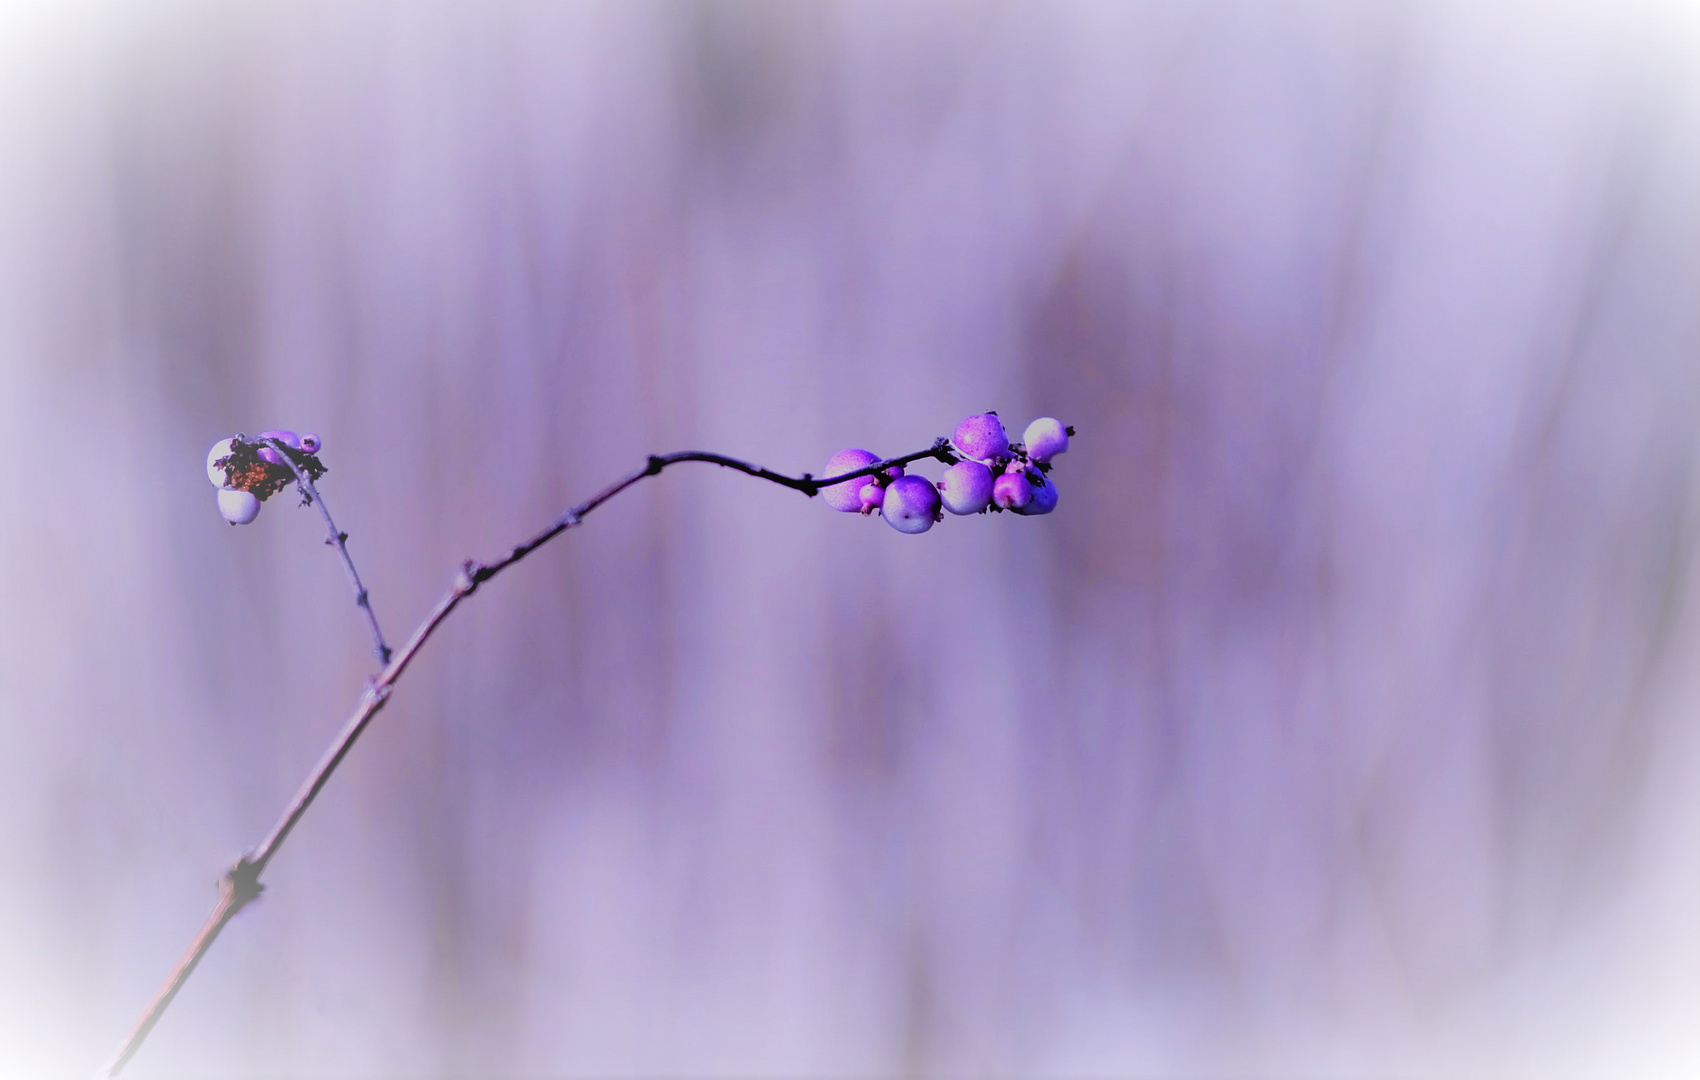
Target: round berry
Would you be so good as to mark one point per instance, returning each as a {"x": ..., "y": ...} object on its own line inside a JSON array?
[
  {"x": 1044, "y": 496},
  {"x": 1045, "y": 438},
  {"x": 981, "y": 437},
  {"x": 1011, "y": 491},
  {"x": 287, "y": 438},
  {"x": 215, "y": 473},
  {"x": 911, "y": 504},
  {"x": 873, "y": 497},
  {"x": 269, "y": 456},
  {"x": 966, "y": 488},
  {"x": 846, "y": 497},
  {"x": 238, "y": 507},
  {"x": 310, "y": 444}
]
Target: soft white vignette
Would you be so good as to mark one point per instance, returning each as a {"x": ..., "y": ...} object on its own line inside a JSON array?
[{"x": 730, "y": 784}]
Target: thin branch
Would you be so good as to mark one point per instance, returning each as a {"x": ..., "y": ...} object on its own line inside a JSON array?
[
  {"x": 241, "y": 883},
  {"x": 339, "y": 540}
]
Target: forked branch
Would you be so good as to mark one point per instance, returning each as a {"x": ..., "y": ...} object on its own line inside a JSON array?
[{"x": 241, "y": 883}]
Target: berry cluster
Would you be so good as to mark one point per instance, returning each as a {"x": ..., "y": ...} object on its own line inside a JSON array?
[
  {"x": 247, "y": 472},
  {"x": 991, "y": 473}
]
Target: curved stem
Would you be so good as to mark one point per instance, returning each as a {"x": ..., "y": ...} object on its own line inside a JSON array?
[
  {"x": 241, "y": 883},
  {"x": 339, "y": 540}
]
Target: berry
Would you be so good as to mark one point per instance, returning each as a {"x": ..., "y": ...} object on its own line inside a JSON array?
[
  {"x": 911, "y": 504},
  {"x": 966, "y": 487},
  {"x": 1045, "y": 438},
  {"x": 215, "y": 472},
  {"x": 1044, "y": 496},
  {"x": 310, "y": 444},
  {"x": 1012, "y": 491},
  {"x": 846, "y": 497},
  {"x": 238, "y": 507},
  {"x": 873, "y": 497},
  {"x": 982, "y": 437},
  {"x": 268, "y": 454}
]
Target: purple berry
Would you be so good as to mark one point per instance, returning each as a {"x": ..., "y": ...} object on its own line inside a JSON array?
[
  {"x": 966, "y": 487},
  {"x": 238, "y": 507},
  {"x": 287, "y": 438},
  {"x": 846, "y": 497},
  {"x": 911, "y": 504},
  {"x": 981, "y": 437},
  {"x": 1044, "y": 496},
  {"x": 269, "y": 456},
  {"x": 1045, "y": 438},
  {"x": 1011, "y": 491},
  {"x": 310, "y": 444},
  {"x": 873, "y": 497}
]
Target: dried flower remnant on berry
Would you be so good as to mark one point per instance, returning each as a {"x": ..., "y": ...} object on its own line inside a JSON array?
[{"x": 253, "y": 466}]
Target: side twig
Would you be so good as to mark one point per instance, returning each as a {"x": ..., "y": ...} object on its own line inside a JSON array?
[
  {"x": 339, "y": 540},
  {"x": 241, "y": 883}
]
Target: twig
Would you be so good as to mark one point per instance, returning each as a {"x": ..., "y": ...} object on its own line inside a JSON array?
[
  {"x": 339, "y": 540},
  {"x": 241, "y": 883}
]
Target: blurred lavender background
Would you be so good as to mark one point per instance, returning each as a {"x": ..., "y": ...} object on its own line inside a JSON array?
[{"x": 1341, "y": 722}]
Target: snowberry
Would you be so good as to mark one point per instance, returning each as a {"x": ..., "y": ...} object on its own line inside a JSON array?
[
  {"x": 1045, "y": 438},
  {"x": 238, "y": 507},
  {"x": 911, "y": 504},
  {"x": 271, "y": 456},
  {"x": 1012, "y": 491},
  {"x": 966, "y": 487},
  {"x": 847, "y": 497},
  {"x": 873, "y": 497},
  {"x": 981, "y": 436},
  {"x": 215, "y": 472},
  {"x": 1044, "y": 496}
]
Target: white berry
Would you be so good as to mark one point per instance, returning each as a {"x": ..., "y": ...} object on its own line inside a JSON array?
[
  {"x": 966, "y": 487},
  {"x": 238, "y": 507},
  {"x": 846, "y": 497},
  {"x": 911, "y": 504},
  {"x": 1044, "y": 496},
  {"x": 221, "y": 449},
  {"x": 1045, "y": 438}
]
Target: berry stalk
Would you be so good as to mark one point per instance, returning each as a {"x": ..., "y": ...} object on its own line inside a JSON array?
[{"x": 337, "y": 539}]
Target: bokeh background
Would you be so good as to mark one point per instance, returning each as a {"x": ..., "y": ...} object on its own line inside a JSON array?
[{"x": 1341, "y": 722}]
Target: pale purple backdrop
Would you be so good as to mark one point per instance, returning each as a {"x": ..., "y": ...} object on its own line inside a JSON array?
[{"x": 1341, "y": 721}]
